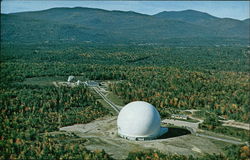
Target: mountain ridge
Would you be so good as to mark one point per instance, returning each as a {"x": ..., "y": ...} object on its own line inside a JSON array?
[
  {"x": 55, "y": 8},
  {"x": 80, "y": 24}
]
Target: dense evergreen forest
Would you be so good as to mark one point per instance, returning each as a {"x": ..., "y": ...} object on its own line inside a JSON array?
[{"x": 215, "y": 79}]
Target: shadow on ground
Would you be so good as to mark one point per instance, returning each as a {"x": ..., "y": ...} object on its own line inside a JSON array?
[{"x": 174, "y": 132}]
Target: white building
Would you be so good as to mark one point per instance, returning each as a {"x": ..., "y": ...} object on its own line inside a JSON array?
[
  {"x": 179, "y": 116},
  {"x": 139, "y": 121},
  {"x": 71, "y": 78},
  {"x": 91, "y": 84},
  {"x": 78, "y": 82}
]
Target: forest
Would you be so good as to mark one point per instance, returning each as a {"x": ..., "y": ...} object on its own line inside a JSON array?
[{"x": 215, "y": 79}]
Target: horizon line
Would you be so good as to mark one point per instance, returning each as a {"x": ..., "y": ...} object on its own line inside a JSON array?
[{"x": 108, "y": 10}]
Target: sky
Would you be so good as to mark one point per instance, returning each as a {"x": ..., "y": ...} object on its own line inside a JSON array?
[{"x": 223, "y": 9}]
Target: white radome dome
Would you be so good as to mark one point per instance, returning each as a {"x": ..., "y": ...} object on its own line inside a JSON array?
[{"x": 139, "y": 121}]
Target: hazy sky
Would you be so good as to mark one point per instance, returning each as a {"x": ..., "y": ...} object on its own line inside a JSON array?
[{"x": 230, "y": 9}]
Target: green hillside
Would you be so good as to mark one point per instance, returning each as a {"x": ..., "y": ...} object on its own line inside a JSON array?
[
  {"x": 190, "y": 16},
  {"x": 222, "y": 26},
  {"x": 86, "y": 25}
]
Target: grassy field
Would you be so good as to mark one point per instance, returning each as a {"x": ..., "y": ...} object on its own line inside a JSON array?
[
  {"x": 106, "y": 105},
  {"x": 187, "y": 112},
  {"x": 200, "y": 114},
  {"x": 115, "y": 99},
  {"x": 43, "y": 81},
  {"x": 234, "y": 132},
  {"x": 219, "y": 135}
]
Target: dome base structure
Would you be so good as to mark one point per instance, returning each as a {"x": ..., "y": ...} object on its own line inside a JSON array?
[
  {"x": 139, "y": 121},
  {"x": 146, "y": 138}
]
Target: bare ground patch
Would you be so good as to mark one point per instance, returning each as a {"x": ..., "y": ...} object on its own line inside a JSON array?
[{"x": 102, "y": 134}]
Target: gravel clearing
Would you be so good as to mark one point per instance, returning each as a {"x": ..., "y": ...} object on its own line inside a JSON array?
[{"x": 102, "y": 134}]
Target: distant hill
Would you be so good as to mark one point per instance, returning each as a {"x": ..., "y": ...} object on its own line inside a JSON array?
[
  {"x": 226, "y": 26},
  {"x": 88, "y": 25},
  {"x": 190, "y": 16},
  {"x": 247, "y": 21}
]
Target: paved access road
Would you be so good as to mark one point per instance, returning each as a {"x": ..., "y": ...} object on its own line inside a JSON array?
[
  {"x": 233, "y": 123},
  {"x": 116, "y": 108}
]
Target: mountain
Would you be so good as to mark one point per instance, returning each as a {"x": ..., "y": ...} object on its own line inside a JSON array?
[
  {"x": 190, "y": 16},
  {"x": 247, "y": 21},
  {"x": 90, "y": 25},
  {"x": 228, "y": 26}
]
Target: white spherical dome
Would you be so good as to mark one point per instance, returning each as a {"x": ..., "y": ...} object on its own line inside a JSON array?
[{"x": 139, "y": 120}]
